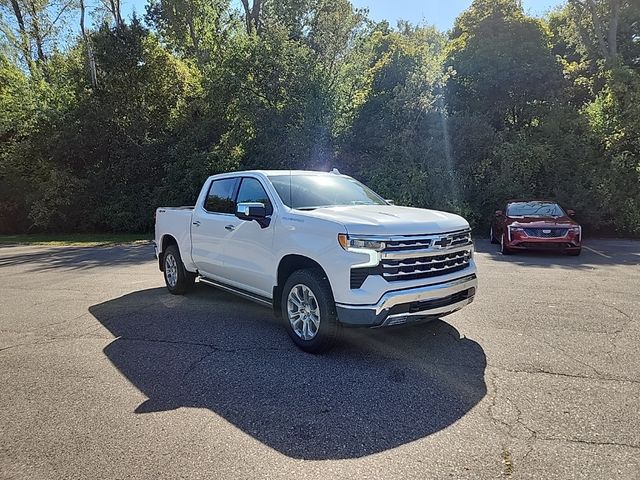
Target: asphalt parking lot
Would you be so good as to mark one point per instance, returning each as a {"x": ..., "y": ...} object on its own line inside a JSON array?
[{"x": 106, "y": 375}]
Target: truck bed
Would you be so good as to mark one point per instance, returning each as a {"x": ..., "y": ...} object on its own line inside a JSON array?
[{"x": 176, "y": 222}]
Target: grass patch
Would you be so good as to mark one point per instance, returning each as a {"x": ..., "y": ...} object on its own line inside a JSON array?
[{"x": 76, "y": 239}]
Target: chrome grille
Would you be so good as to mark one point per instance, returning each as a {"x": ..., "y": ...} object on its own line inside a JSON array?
[
  {"x": 408, "y": 244},
  {"x": 411, "y": 258},
  {"x": 546, "y": 232}
]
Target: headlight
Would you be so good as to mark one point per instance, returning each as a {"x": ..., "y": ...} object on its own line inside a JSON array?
[
  {"x": 355, "y": 243},
  {"x": 577, "y": 231}
]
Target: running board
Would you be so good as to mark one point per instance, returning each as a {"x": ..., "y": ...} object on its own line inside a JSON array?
[{"x": 238, "y": 291}]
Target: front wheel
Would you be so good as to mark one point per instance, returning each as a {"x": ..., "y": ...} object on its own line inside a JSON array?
[
  {"x": 503, "y": 248},
  {"x": 177, "y": 278},
  {"x": 309, "y": 311},
  {"x": 574, "y": 253},
  {"x": 492, "y": 237}
]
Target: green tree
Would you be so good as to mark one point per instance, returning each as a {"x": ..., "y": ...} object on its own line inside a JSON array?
[
  {"x": 500, "y": 64},
  {"x": 279, "y": 116},
  {"x": 193, "y": 28}
]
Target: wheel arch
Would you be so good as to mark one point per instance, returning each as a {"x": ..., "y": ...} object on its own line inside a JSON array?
[
  {"x": 289, "y": 264},
  {"x": 166, "y": 241}
]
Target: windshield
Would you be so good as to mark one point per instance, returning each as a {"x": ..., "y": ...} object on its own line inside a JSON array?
[
  {"x": 306, "y": 192},
  {"x": 534, "y": 209}
]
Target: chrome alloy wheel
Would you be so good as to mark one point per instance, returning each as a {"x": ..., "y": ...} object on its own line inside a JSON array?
[
  {"x": 171, "y": 269},
  {"x": 304, "y": 312}
]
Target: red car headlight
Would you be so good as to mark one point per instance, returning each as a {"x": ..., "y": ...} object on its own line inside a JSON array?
[
  {"x": 515, "y": 230},
  {"x": 576, "y": 231}
]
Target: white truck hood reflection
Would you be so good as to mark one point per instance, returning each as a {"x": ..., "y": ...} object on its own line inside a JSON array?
[{"x": 389, "y": 219}]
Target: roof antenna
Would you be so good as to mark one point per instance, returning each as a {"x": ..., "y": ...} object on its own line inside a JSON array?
[{"x": 335, "y": 171}]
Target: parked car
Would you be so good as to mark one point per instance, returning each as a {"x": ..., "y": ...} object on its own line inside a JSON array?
[
  {"x": 536, "y": 225},
  {"x": 321, "y": 249}
]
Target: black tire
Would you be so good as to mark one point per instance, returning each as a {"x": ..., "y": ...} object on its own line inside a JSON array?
[
  {"x": 184, "y": 280},
  {"x": 574, "y": 253},
  {"x": 503, "y": 248},
  {"x": 492, "y": 237},
  {"x": 328, "y": 326}
]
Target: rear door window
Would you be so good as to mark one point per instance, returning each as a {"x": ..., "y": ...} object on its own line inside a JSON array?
[{"x": 220, "y": 196}]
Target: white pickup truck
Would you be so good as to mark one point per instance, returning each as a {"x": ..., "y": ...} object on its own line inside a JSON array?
[{"x": 321, "y": 249}]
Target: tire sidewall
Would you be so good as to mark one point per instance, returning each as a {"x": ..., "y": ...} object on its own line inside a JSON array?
[
  {"x": 182, "y": 283},
  {"x": 503, "y": 248},
  {"x": 327, "y": 331}
]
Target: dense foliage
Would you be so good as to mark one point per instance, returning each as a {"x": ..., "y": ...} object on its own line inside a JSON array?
[{"x": 100, "y": 125}]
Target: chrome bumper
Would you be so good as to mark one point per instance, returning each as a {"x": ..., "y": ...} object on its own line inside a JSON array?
[{"x": 404, "y": 306}]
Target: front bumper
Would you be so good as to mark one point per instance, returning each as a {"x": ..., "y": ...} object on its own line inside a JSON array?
[
  {"x": 403, "y": 306},
  {"x": 521, "y": 241},
  {"x": 533, "y": 243}
]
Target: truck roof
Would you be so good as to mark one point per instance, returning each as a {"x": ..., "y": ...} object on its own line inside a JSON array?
[{"x": 274, "y": 173}]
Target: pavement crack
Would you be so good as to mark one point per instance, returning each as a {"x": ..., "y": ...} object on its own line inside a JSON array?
[
  {"x": 617, "y": 310},
  {"x": 197, "y": 362},
  {"x": 558, "y": 349},
  {"x": 542, "y": 371},
  {"x": 590, "y": 442},
  {"x": 26, "y": 344},
  {"x": 615, "y": 336},
  {"x": 214, "y": 348},
  {"x": 502, "y": 424}
]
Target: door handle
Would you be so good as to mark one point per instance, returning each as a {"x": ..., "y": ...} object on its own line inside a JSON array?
[
  {"x": 231, "y": 228},
  {"x": 197, "y": 223}
]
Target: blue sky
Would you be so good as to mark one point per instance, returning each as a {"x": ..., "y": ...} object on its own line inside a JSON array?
[{"x": 440, "y": 13}]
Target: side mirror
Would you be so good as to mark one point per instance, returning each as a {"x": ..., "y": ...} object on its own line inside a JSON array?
[
  {"x": 499, "y": 213},
  {"x": 571, "y": 213},
  {"x": 253, "y": 211},
  {"x": 389, "y": 201}
]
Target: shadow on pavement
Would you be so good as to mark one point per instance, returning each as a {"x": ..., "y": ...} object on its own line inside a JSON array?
[
  {"x": 375, "y": 391},
  {"x": 77, "y": 258}
]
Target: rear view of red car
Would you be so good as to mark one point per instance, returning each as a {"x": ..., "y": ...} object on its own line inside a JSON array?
[{"x": 536, "y": 225}]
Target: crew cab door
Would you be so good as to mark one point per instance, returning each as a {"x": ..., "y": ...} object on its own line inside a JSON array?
[
  {"x": 249, "y": 261},
  {"x": 210, "y": 223}
]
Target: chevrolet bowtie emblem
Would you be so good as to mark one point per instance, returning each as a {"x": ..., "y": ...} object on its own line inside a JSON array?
[{"x": 443, "y": 242}]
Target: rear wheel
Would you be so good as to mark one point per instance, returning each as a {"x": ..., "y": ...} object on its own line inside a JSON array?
[
  {"x": 309, "y": 311},
  {"x": 176, "y": 277}
]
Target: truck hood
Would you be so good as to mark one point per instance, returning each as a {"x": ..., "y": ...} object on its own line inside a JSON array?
[{"x": 390, "y": 220}]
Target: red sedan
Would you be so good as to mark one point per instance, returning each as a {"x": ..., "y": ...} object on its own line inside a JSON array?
[{"x": 536, "y": 225}]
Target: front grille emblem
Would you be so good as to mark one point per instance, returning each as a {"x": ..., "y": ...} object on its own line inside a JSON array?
[{"x": 443, "y": 242}]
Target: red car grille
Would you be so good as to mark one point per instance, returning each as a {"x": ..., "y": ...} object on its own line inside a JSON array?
[{"x": 546, "y": 232}]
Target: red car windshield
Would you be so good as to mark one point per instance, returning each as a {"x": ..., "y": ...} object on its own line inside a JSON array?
[{"x": 534, "y": 209}]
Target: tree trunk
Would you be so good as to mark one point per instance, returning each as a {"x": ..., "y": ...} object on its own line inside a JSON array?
[
  {"x": 612, "y": 37},
  {"x": 91, "y": 62},
  {"x": 114, "y": 8},
  {"x": 607, "y": 38},
  {"x": 24, "y": 37},
  {"x": 599, "y": 29},
  {"x": 37, "y": 35},
  {"x": 252, "y": 16}
]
